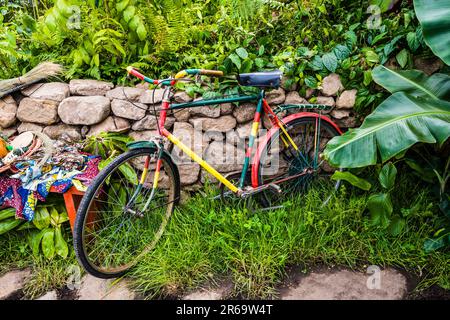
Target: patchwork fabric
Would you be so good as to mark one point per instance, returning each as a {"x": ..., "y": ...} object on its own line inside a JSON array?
[{"x": 31, "y": 184}]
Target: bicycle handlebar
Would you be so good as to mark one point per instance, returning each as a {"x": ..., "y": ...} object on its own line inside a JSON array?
[
  {"x": 213, "y": 73},
  {"x": 179, "y": 75}
]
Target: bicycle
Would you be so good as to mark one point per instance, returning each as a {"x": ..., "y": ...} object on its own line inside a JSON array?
[{"x": 126, "y": 208}]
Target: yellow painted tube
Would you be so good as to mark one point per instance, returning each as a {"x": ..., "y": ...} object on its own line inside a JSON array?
[
  {"x": 288, "y": 136},
  {"x": 202, "y": 163},
  {"x": 155, "y": 180},
  {"x": 255, "y": 129},
  {"x": 144, "y": 175}
]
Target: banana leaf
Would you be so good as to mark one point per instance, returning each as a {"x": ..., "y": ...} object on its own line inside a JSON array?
[
  {"x": 396, "y": 124},
  {"x": 434, "y": 17},
  {"x": 413, "y": 82}
]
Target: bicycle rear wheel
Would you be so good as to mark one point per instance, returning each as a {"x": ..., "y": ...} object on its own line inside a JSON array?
[
  {"x": 119, "y": 218},
  {"x": 297, "y": 170}
]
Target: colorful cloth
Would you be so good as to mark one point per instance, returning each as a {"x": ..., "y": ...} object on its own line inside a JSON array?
[{"x": 22, "y": 190}]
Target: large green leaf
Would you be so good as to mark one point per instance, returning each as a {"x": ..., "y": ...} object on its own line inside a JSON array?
[
  {"x": 352, "y": 179},
  {"x": 380, "y": 207},
  {"x": 395, "y": 125},
  {"x": 434, "y": 16},
  {"x": 387, "y": 175},
  {"x": 413, "y": 82}
]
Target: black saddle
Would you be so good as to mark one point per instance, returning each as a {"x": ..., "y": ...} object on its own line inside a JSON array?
[{"x": 269, "y": 79}]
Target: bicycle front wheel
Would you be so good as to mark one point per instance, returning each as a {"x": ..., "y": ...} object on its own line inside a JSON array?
[{"x": 122, "y": 216}]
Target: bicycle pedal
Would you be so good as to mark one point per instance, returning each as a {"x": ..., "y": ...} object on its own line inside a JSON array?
[{"x": 274, "y": 188}]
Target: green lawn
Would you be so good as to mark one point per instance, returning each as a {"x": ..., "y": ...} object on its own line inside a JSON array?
[{"x": 206, "y": 241}]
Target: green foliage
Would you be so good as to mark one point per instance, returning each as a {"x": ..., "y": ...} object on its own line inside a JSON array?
[
  {"x": 401, "y": 115},
  {"x": 49, "y": 235},
  {"x": 306, "y": 39},
  {"x": 208, "y": 241},
  {"x": 107, "y": 145},
  {"x": 434, "y": 16}
]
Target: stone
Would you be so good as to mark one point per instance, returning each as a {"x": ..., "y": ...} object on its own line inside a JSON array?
[
  {"x": 181, "y": 115},
  {"x": 206, "y": 111},
  {"x": 8, "y": 110},
  {"x": 347, "y": 99},
  {"x": 288, "y": 84},
  {"x": 349, "y": 122},
  {"x": 28, "y": 126},
  {"x": 328, "y": 101},
  {"x": 125, "y": 93},
  {"x": 428, "y": 65},
  {"x": 226, "y": 108},
  {"x": 93, "y": 288},
  {"x": 340, "y": 114},
  {"x": 331, "y": 85},
  {"x": 8, "y": 132},
  {"x": 128, "y": 110},
  {"x": 62, "y": 130},
  {"x": 232, "y": 137},
  {"x": 219, "y": 293},
  {"x": 144, "y": 135},
  {"x": 244, "y": 112},
  {"x": 276, "y": 96},
  {"x": 182, "y": 97},
  {"x": 243, "y": 130},
  {"x": 189, "y": 137},
  {"x": 13, "y": 281},
  {"x": 309, "y": 93},
  {"x": 148, "y": 97},
  {"x": 346, "y": 285},
  {"x": 87, "y": 87},
  {"x": 51, "y": 295},
  {"x": 38, "y": 111},
  {"x": 143, "y": 85},
  {"x": 213, "y": 136},
  {"x": 84, "y": 110},
  {"x": 224, "y": 157},
  {"x": 149, "y": 122},
  {"x": 148, "y": 135},
  {"x": 110, "y": 124},
  {"x": 56, "y": 91},
  {"x": 188, "y": 173},
  {"x": 294, "y": 97},
  {"x": 222, "y": 124}
]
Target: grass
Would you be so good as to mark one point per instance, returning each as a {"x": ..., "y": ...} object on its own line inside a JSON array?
[
  {"x": 46, "y": 274},
  {"x": 206, "y": 240}
]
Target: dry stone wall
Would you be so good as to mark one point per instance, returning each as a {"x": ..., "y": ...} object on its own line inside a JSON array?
[{"x": 219, "y": 133}]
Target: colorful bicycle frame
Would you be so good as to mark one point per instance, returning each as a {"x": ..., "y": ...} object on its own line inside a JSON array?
[{"x": 262, "y": 106}]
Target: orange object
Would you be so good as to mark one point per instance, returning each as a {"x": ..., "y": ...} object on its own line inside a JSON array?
[
  {"x": 4, "y": 150},
  {"x": 72, "y": 198}
]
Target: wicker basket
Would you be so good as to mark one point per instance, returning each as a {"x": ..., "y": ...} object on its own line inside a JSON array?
[{"x": 35, "y": 145}]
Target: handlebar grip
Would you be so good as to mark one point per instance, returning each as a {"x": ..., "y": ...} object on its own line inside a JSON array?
[
  {"x": 213, "y": 73},
  {"x": 135, "y": 73}
]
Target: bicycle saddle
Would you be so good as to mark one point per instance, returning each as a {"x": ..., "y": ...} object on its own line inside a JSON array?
[{"x": 270, "y": 79}]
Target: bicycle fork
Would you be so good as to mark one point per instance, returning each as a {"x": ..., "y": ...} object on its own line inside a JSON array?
[{"x": 139, "y": 213}]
